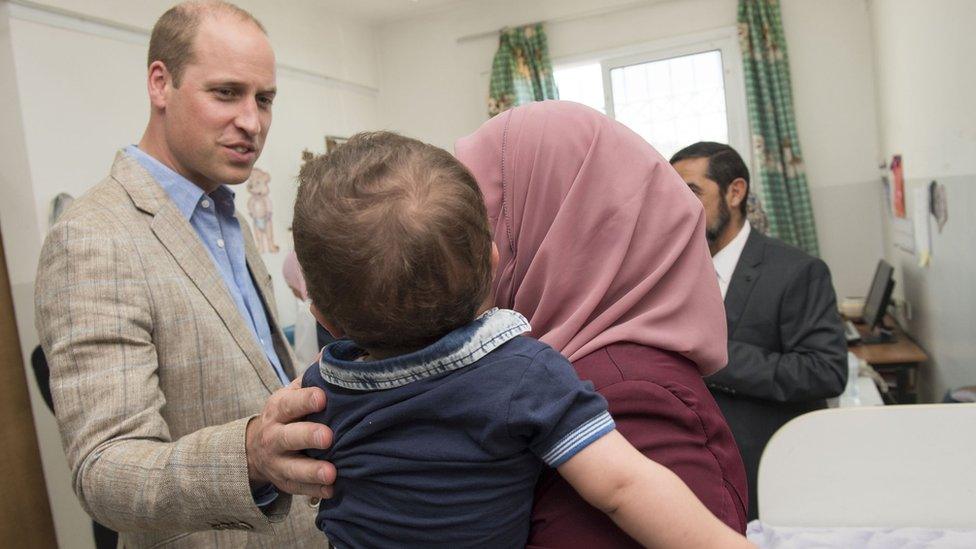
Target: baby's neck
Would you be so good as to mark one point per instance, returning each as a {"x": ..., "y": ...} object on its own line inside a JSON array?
[{"x": 383, "y": 354}]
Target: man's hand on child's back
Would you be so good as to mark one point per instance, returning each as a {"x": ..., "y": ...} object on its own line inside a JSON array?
[{"x": 276, "y": 437}]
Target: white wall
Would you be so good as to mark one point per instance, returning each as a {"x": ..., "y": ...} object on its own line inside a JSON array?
[
  {"x": 925, "y": 74},
  {"x": 72, "y": 80},
  {"x": 832, "y": 66},
  {"x": 925, "y": 71},
  {"x": 434, "y": 88}
]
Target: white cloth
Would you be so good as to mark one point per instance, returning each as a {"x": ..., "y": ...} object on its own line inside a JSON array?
[
  {"x": 779, "y": 537},
  {"x": 728, "y": 257}
]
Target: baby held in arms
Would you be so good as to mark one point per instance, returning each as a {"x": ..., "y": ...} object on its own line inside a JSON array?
[{"x": 444, "y": 410}]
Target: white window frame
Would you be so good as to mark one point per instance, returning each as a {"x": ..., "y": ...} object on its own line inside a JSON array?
[{"x": 724, "y": 39}]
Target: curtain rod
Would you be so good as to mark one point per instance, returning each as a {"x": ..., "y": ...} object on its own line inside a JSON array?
[{"x": 562, "y": 19}]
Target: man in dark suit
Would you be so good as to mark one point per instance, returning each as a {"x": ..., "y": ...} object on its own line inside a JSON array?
[{"x": 787, "y": 351}]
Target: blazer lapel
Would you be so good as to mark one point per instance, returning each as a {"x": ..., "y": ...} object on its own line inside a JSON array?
[
  {"x": 744, "y": 279},
  {"x": 179, "y": 238}
]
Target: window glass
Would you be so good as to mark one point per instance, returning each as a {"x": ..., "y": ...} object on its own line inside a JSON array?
[
  {"x": 582, "y": 84},
  {"x": 673, "y": 102}
]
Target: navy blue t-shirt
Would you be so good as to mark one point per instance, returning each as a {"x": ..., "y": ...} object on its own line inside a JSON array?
[{"x": 449, "y": 456}]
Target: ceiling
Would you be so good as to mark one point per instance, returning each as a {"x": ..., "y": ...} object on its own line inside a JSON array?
[{"x": 380, "y": 11}]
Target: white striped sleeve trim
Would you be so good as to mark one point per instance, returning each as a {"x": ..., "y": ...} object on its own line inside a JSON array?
[{"x": 578, "y": 438}]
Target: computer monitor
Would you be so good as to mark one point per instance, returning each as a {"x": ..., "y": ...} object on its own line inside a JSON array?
[{"x": 879, "y": 296}]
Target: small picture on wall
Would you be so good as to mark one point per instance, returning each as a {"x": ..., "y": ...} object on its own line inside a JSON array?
[
  {"x": 259, "y": 207},
  {"x": 333, "y": 141},
  {"x": 898, "y": 175},
  {"x": 59, "y": 204}
]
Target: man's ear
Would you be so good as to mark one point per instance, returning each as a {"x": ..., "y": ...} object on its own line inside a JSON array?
[
  {"x": 159, "y": 83},
  {"x": 736, "y": 192},
  {"x": 329, "y": 326}
]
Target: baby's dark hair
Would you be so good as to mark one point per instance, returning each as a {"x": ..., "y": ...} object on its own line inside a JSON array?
[{"x": 393, "y": 239}]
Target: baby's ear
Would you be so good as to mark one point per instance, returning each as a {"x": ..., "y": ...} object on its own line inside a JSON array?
[{"x": 330, "y": 327}]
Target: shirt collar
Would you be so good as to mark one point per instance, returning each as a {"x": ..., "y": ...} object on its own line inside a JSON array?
[
  {"x": 728, "y": 257},
  {"x": 459, "y": 348},
  {"x": 183, "y": 192}
]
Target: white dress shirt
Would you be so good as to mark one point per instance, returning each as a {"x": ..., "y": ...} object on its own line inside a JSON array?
[{"x": 728, "y": 257}]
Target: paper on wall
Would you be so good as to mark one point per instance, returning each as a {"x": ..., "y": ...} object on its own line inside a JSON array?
[
  {"x": 904, "y": 234},
  {"x": 898, "y": 176},
  {"x": 921, "y": 209}
]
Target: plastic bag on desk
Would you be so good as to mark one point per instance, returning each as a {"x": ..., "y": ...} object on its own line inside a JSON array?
[
  {"x": 962, "y": 394},
  {"x": 850, "y": 395}
]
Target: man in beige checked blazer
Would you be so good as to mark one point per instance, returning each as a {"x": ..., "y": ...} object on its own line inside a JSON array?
[{"x": 158, "y": 317}]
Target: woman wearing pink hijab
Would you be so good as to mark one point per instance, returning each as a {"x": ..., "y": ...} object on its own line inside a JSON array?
[{"x": 602, "y": 247}]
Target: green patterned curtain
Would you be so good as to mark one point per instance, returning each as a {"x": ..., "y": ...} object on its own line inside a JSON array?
[
  {"x": 756, "y": 214},
  {"x": 776, "y": 146},
  {"x": 521, "y": 71}
]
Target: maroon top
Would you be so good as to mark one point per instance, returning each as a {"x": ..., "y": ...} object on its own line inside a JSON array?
[{"x": 661, "y": 405}]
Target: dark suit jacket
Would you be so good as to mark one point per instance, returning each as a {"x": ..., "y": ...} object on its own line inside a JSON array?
[{"x": 787, "y": 351}]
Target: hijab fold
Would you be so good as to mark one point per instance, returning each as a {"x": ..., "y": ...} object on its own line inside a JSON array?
[{"x": 600, "y": 241}]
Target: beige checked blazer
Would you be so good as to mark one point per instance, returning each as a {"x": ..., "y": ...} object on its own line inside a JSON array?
[{"x": 155, "y": 373}]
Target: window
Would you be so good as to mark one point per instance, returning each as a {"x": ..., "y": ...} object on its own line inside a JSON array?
[
  {"x": 670, "y": 93},
  {"x": 672, "y": 102},
  {"x": 582, "y": 83}
]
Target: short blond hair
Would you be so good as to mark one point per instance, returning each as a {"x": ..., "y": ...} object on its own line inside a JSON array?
[
  {"x": 173, "y": 34},
  {"x": 393, "y": 238}
]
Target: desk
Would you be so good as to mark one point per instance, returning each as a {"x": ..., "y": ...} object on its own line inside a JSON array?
[{"x": 898, "y": 361}]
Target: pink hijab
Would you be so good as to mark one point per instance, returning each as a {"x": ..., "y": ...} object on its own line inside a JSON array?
[
  {"x": 600, "y": 240},
  {"x": 294, "y": 278}
]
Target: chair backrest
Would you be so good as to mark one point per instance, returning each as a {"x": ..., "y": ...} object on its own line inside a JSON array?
[{"x": 883, "y": 466}]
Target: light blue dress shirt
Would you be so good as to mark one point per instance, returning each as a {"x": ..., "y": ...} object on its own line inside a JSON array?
[{"x": 212, "y": 217}]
